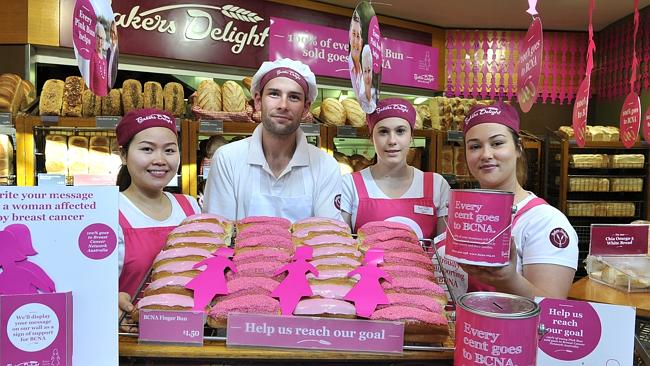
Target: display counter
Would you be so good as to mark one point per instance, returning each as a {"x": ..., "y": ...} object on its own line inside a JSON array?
[
  {"x": 588, "y": 290},
  {"x": 132, "y": 352}
]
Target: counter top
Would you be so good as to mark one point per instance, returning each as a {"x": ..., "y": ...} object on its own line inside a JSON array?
[{"x": 588, "y": 290}]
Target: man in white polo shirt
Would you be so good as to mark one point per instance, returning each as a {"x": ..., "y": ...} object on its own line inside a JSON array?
[{"x": 276, "y": 172}]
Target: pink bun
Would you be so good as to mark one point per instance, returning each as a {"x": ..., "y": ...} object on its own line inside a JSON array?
[
  {"x": 409, "y": 258},
  {"x": 196, "y": 227},
  {"x": 413, "y": 300},
  {"x": 262, "y": 229},
  {"x": 330, "y": 291},
  {"x": 182, "y": 252},
  {"x": 334, "y": 261},
  {"x": 206, "y": 217},
  {"x": 247, "y": 283},
  {"x": 311, "y": 221},
  {"x": 245, "y": 303},
  {"x": 262, "y": 254},
  {"x": 301, "y": 233},
  {"x": 211, "y": 240},
  {"x": 169, "y": 281},
  {"x": 390, "y": 235},
  {"x": 166, "y": 300},
  {"x": 279, "y": 221},
  {"x": 322, "y": 250},
  {"x": 177, "y": 267},
  {"x": 327, "y": 274},
  {"x": 261, "y": 268},
  {"x": 408, "y": 271},
  {"x": 396, "y": 245},
  {"x": 424, "y": 286},
  {"x": 270, "y": 241},
  {"x": 379, "y": 226},
  {"x": 330, "y": 239},
  {"x": 399, "y": 312},
  {"x": 324, "y": 306}
]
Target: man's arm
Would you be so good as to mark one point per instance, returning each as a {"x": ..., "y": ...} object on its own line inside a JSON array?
[{"x": 220, "y": 198}]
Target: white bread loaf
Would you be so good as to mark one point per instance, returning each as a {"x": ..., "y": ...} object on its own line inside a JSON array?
[
  {"x": 56, "y": 154},
  {"x": 77, "y": 155},
  {"x": 626, "y": 184},
  {"x": 11, "y": 93},
  {"x": 628, "y": 161}
]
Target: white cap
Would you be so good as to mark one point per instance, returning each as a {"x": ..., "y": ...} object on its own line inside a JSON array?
[{"x": 287, "y": 63}]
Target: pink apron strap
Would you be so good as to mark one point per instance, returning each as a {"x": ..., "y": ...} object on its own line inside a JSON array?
[
  {"x": 124, "y": 223},
  {"x": 360, "y": 185},
  {"x": 428, "y": 186},
  {"x": 184, "y": 203},
  {"x": 531, "y": 204}
]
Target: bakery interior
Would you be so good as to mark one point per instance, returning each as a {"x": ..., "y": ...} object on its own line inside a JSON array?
[{"x": 601, "y": 183}]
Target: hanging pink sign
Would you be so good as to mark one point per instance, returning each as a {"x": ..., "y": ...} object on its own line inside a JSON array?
[
  {"x": 630, "y": 119},
  {"x": 529, "y": 67},
  {"x": 646, "y": 126},
  {"x": 581, "y": 105}
]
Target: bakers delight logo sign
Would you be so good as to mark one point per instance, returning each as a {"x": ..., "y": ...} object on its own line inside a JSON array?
[{"x": 229, "y": 23}]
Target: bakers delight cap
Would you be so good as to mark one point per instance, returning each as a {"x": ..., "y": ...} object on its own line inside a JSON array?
[
  {"x": 140, "y": 119},
  {"x": 392, "y": 107},
  {"x": 286, "y": 67},
  {"x": 499, "y": 112}
]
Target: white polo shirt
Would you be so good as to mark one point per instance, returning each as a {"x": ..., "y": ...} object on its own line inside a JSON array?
[{"x": 228, "y": 190}]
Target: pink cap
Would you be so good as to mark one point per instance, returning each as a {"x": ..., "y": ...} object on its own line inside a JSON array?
[
  {"x": 499, "y": 112},
  {"x": 392, "y": 107},
  {"x": 140, "y": 119}
]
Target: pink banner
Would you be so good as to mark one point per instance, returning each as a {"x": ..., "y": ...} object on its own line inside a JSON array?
[{"x": 325, "y": 50}]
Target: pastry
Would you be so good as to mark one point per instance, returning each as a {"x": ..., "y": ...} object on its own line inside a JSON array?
[
  {"x": 255, "y": 220},
  {"x": 153, "y": 95},
  {"x": 174, "y": 99},
  {"x": 233, "y": 98}
]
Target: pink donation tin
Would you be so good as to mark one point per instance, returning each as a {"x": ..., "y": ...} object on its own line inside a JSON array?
[
  {"x": 493, "y": 328},
  {"x": 478, "y": 226}
]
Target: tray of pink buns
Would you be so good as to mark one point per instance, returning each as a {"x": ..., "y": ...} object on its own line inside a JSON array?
[{"x": 262, "y": 245}]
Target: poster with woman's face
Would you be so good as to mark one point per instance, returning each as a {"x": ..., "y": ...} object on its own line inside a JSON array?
[
  {"x": 365, "y": 56},
  {"x": 94, "y": 36}
]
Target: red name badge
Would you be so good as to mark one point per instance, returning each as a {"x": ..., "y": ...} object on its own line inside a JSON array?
[
  {"x": 163, "y": 326},
  {"x": 619, "y": 239},
  {"x": 314, "y": 333}
]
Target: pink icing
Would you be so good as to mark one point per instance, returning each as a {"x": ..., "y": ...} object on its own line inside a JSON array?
[
  {"x": 169, "y": 281},
  {"x": 320, "y": 221},
  {"x": 206, "y": 216},
  {"x": 324, "y": 306},
  {"x": 266, "y": 253},
  {"x": 408, "y": 313},
  {"x": 166, "y": 300},
  {"x": 301, "y": 233},
  {"x": 397, "y": 270},
  {"x": 419, "y": 301},
  {"x": 246, "y": 303},
  {"x": 262, "y": 229},
  {"x": 198, "y": 227},
  {"x": 398, "y": 245},
  {"x": 196, "y": 240},
  {"x": 176, "y": 267},
  {"x": 326, "y": 274},
  {"x": 330, "y": 239},
  {"x": 334, "y": 249},
  {"x": 408, "y": 258},
  {"x": 331, "y": 291},
  {"x": 182, "y": 252},
  {"x": 262, "y": 267},
  {"x": 428, "y": 287},
  {"x": 334, "y": 261},
  {"x": 379, "y": 226},
  {"x": 245, "y": 283},
  {"x": 390, "y": 235},
  {"x": 272, "y": 241},
  {"x": 266, "y": 220}
]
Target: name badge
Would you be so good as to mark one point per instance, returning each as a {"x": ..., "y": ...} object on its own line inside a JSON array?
[{"x": 424, "y": 210}]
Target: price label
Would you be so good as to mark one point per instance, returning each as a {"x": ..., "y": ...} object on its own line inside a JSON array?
[
  {"x": 310, "y": 129},
  {"x": 107, "y": 121},
  {"x": 178, "y": 124},
  {"x": 51, "y": 180},
  {"x": 346, "y": 131},
  {"x": 455, "y": 136},
  {"x": 210, "y": 126},
  {"x": 185, "y": 327},
  {"x": 50, "y": 120},
  {"x": 5, "y": 119}
]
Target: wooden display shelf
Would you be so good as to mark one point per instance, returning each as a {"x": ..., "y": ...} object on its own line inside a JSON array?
[
  {"x": 217, "y": 350},
  {"x": 588, "y": 290}
]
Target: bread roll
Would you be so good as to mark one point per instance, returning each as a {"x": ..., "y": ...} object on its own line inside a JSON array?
[
  {"x": 72, "y": 96},
  {"x": 6, "y": 159},
  {"x": 208, "y": 96},
  {"x": 233, "y": 97},
  {"x": 153, "y": 95},
  {"x": 355, "y": 116},
  {"x": 77, "y": 155},
  {"x": 112, "y": 103},
  {"x": 332, "y": 112},
  {"x": 131, "y": 95},
  {"x": 51, "y": 98},
  {"x": 29, "y": 94},
  {"x": 91, "y": 105},
  {"x": 56, "y": 154},
  {"x": 174, "y": 99},
  {"x": 11, "y": 93}
]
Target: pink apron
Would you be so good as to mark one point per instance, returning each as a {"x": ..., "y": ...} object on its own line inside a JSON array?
[
  {"x": 380, "y": 209},
  {"x": 141, "y": 247},
  {"x": 474, "y": 285}
]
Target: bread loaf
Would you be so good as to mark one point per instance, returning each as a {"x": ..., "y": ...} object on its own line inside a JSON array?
[
  {"x": 584, "y": 184},
  {"x": 29, "y": 94},
  {"x": 447, "y": 160},
  {"x": 566, "y": 132},
  {"x": 72, "y": 96},
  {"x": 99, "y": 155},
  {"x": 233, "y": 97},
  {"x": 589, "y": 160},
  {"x": 332, "y": 112},
  {"x": 77, "y": 155},
  {"x": 11, "y": 93},
  {"x": 208, "y": 96},
  {"x": 580, "y": 209},
  {"x": 248, "y": 82},
  {"x": 628, "y": 161},
  {"x": 131, "y": 95},
  {"x": 56, "y": 154},
  {"x": 612, "y": 133},
  {"x": 619, "y": 209},
  {"x": 115, "y": 159},
  {"x": 91, "y": 105},
  {"x": 174, "y": 99},
  {"x": 153, "y": 95},
  {"x": 112, "y": 103},
  {"x": 626, "y": 184},
  {"x": 51, "y": 98},
  {"x": 6, "y": 159},
  {"x": 355, "y": 116}
]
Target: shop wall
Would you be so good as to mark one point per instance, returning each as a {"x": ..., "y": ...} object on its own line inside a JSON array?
[{"x": 29, "y": 21}]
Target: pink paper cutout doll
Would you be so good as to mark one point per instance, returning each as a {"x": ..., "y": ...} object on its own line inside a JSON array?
[
  {"x": 212, "y": 281},
  {"x": 25, "y": 246},
  {"x": 295, "y": 285},
  {"x": 367, "y": 293},
  {"x": 15, "y": 278}
]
